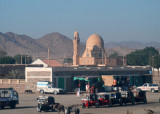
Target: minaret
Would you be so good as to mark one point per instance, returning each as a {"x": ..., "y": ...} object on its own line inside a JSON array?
[{"x": 76, "y": 41}]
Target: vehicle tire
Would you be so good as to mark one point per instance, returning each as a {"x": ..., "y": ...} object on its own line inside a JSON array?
[
  {"x": 55, "y": 92},
  {"x": 77, "y": 111},
  {"x": 139, "y": 89},
  {"x": 152, "y": 90},
  {"x": 97, "y": 105},
  {"x": 51, "y": 108},
  {"x": 41, "y": 92},
  {"x": 13, "y": 105},
  {"x": 133, "y": 102},
  {"x": 110, "y": 104},
  {"x": 2, "y": 107},
  {"x": 120, "y": 102},
  {"x": 83, "y": 105},
  {"x": 145, "y": 101},
  {"x": 38, "y": 109}
]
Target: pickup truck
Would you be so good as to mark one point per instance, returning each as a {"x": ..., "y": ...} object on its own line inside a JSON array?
[
  {"x": 46, "y": 87},
  {"x": 149, "y": 87},
  {"x": 8, "y": 97}
]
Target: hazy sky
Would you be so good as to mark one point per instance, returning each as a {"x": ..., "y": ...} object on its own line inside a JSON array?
[{"x": 114, "y": 20}]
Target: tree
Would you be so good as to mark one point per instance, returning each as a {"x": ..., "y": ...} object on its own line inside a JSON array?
[
  {"x": 3, "y": 53},
  {"x": 25, "y": 59},
  {"x": 156, "y": 62},
  {"x": 68, "y": 60},
  {"x": 7, "y": 60},
  {"x": 16, "y": 74},
  {"x": 115, "y": 54},
  {"x": 142, "y": 57}
]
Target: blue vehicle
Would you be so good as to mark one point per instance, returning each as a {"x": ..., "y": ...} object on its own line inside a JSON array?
[{"x": 8, "y": 97}]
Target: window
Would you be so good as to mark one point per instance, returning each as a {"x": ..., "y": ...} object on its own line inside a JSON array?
[
  {"x": 87, "y": 54},
  {"x": 145, "y": 84}
]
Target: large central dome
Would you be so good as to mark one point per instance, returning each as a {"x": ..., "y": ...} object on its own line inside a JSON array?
[{"x": 94, "y": 40}]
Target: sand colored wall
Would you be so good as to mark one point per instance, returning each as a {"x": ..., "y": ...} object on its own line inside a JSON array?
[{"x": 108, "y": 80}]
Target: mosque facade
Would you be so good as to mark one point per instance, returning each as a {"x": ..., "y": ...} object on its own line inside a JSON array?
[{"x": 94, "y": 53}]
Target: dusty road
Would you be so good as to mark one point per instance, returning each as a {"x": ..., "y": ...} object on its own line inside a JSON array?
[{"x": 28, "y": 104}]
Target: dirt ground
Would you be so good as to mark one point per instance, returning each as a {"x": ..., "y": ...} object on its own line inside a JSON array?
[{"x": 28, "y": 105}]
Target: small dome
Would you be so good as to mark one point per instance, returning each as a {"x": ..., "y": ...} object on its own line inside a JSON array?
[{"x": 94, "y": 40}]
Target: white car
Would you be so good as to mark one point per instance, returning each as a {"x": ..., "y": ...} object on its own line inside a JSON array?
[{"x": 149, "y": 87}]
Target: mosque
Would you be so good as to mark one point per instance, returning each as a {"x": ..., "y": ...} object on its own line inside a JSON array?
[{"x": 94, "y": 53}]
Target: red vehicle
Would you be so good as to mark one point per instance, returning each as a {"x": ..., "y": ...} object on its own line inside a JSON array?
[
  {"x": 90, "y": 100},
  {"x": 104, "y": 99}
]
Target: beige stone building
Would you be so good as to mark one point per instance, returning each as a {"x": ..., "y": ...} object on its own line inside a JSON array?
[{"x": 94, "y": 53}]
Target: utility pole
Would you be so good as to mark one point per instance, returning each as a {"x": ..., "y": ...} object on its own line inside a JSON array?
[
  {"x": 25, "y": 59},
  {"x": 21, "y": 58},
  {"x": 102, "y": 56},
  {"x": 123, "y": 60},
  {"x": 48, "y": 57}
]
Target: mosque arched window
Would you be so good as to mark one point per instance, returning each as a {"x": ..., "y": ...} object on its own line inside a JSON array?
[{"x": 87, "y": 54}]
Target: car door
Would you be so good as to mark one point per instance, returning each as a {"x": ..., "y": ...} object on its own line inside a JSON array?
[{"x": 145, "y": 87}]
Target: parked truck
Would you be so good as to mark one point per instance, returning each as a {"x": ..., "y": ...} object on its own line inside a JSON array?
[
  {"x": 8, "y": 97},
  {"x": 46, "y": 87},
  {"x": 149, "y": 87}
]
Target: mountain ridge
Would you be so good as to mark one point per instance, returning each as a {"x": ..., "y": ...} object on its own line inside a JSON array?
[{"x": 60, "y": 46}]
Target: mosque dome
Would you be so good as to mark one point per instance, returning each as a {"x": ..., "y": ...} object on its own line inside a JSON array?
[{"x": 95, "y": 40}]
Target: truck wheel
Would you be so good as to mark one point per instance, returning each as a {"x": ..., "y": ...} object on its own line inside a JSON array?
[
  {"x": 38, "y": 109},
  {"x": 55, "y": 92},
  {"x": 2, "y": 107},
  {"x": 139, "y": 89},
  {"x": 83, "y": 105},
  {"x": 97, "y": 105},
  {"x": 110, "y": 104},
  {"x": 145, "y": 101},
  {"x": 41, "y": 92},
  {"x": 77, "y": 111},
  {"x": 133, "y": 102},
  {"x": 13, "y": 105},
  {"x": 152, "y": 90}
]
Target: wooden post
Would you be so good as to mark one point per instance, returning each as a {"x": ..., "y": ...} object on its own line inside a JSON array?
[
  {"x": 21, "y": 58},
  {"x": 48, "y": 57}
]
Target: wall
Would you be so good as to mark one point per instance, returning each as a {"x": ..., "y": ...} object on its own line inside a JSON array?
[
  {"x": 35, "y": 74},
  {"x": 156, "y": 76},
  {"x": 18, "y": 84},
  {"x": 108, "y": 80},
  {"x": 86, "y": 61}
]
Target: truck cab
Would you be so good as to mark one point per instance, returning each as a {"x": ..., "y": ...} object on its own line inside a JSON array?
[{"x": 8, "y": 97}]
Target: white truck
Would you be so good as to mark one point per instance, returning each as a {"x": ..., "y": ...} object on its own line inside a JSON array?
[
  {"x": 46, "y": 87},
  {"x": 149, "y": 87},
  {"x": 8, "y": 97}
]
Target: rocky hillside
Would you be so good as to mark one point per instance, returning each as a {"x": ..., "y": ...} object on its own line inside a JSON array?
[{"x": 59, "y": 45}]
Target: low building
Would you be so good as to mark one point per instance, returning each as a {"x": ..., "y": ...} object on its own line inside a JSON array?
[{"x": 63, "y": 77}]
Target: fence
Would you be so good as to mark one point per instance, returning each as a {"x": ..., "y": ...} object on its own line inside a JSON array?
[{"x": 12, "y": 81}]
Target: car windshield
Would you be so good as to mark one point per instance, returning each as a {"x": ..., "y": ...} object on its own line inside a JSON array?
[{"x": 15, "y": 93}]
